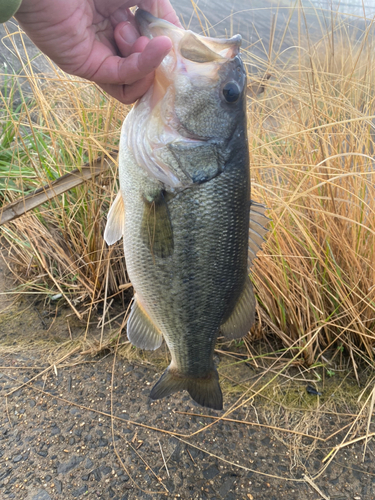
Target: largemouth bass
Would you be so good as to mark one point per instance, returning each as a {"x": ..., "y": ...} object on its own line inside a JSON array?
[{"x": 183, "y": 209}]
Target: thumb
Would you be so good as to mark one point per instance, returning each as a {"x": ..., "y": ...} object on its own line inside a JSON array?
[{"x": 119, "y": 70}]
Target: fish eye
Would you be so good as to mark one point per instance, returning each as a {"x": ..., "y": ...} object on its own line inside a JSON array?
[{"x": 231, "y": 92}]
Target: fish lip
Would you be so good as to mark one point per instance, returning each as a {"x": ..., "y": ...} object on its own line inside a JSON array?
[{"x": 145, "y": 19}]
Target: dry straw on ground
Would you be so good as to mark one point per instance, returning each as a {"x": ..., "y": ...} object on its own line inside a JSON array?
[{"x": 311, "y": 146}]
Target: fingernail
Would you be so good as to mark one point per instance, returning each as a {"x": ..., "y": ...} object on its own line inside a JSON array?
[{"x": 129, "y": 33}]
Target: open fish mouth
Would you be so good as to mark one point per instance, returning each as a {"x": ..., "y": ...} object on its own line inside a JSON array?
[
  {"x": 193, "y": 60},
  {"x": 197, "y": 56},
  {"x": 190, "y": 45}
]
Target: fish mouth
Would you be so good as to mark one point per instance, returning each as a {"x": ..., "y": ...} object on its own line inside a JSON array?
[
  {"x": 188, "y": 49},
  {"x": 155, "y": 125},
  {"x": 192, "y": 46}
]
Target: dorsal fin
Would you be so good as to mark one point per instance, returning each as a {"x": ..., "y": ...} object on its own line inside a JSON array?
[
  {"x": 114, "y": 228},
  {"x": 257, "y": 230}
]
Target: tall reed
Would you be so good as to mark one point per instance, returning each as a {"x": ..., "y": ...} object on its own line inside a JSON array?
[{"x": 311, "y": 139}]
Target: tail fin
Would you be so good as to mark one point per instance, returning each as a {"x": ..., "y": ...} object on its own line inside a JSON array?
[{"x": 205, "y": 391}]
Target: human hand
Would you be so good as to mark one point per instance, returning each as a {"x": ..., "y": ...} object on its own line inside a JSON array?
[{"x": 98, "y": 40}]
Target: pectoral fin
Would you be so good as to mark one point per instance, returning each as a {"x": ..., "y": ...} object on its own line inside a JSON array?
[
  {"x": 141, "y": 331},
  {"x": 156, "y": 225},
  {"x": 243, "y": 316},
  {"x": 114, "y": 228}
]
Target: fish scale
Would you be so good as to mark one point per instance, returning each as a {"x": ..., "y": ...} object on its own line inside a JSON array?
[{"x": 206, "y": 251}]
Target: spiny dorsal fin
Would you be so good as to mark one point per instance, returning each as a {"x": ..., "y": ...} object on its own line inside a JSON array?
[
  {"x": 141, "y": 331},
  {"x": 257, "y": 230},
  {"x": 243, "y": 316},
  {"x": 114, "y": 228}
]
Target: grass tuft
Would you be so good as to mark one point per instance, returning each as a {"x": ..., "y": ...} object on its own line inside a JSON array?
[
  {"x": 311, "y": 145},
  {"x": 311, "y": 137}
]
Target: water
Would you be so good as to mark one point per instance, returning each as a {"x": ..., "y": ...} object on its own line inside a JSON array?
[
  {"x": 253, "y": 19},
  {"x": 351, "y": 7},
  {"x": 268, "y": 28}
]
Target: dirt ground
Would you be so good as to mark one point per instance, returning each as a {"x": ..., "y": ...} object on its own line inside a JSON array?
[{"x": 84, "y": 426}]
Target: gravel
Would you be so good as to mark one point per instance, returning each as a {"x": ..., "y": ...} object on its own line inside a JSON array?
[{"x": 39, "y": 459}]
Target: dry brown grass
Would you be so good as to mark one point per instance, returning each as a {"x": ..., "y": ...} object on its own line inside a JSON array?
[
  {"x": 311, "y": 146},
  {"x": 66, "y": 122}
]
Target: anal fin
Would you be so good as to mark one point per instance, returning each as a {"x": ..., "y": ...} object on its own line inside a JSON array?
[
  {"x": 141, "y": 331},
  {"x": 243, "y": 315},
  {"x": 205, "y": 391},
  {"x": 114, "y": 228}
]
